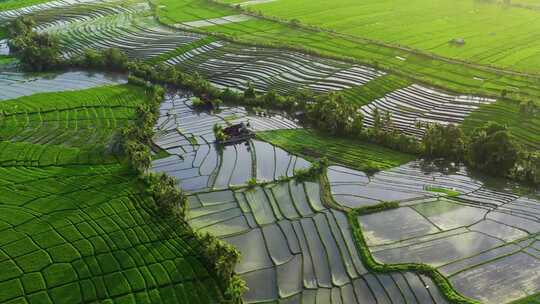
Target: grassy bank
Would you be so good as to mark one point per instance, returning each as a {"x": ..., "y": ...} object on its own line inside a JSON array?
[{"x": 353, "y": 154}]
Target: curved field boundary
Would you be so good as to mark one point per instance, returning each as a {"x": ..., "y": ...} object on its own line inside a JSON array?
[{"x": 442, "y": 283}]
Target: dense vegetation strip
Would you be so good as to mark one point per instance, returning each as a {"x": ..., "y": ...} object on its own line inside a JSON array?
[
  {"x": 534, "y": 299},
  {"x": 353, "y": 154}
]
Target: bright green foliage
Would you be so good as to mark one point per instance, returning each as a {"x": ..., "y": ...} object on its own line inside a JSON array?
[
  {"x": 354, "y": 154},
  {"x": 174, "y": 11},
  {"x": 534, "y": 299},
  {"x": 77, "y": 225},
  {"x": 14, "y": 4},
  {"x": 332, "y": 114},
  {"x": 446, "y": 191}
]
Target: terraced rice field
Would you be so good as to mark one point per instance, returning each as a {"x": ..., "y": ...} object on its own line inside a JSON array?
[
  {"x": 124, "y": 25},
  {"x": 294, "y": 248},
  {"x": 483, "y": 240},
  {"x": 11, "y": 9},
  {"x": 128, "y": 26},
  {"x": 95, "y": 238},
  {"x": 297, "y": 250},
  {"x": 53, "y": 118},
  {"x": 76, "y": 225},
  {"x": 416, "y": 105},
  {"x": 267, "y": 69},
  {"x": 199, "y": 164}
]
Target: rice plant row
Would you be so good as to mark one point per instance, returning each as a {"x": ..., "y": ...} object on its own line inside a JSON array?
[
  {"x": 72, "y": 118},
  {"x": 361, "y": 156}
]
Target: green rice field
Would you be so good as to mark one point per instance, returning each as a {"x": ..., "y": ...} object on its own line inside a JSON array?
[{"x": 494, "y": 33}]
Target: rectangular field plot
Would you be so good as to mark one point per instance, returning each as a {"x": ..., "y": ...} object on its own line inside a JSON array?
[
  {"x": 394, "y": 225},
  {"x": 446, "y": 214},
  {"x": 440, "y": 251},
  {"x": 501, "y": 281},
  {"x": 499, "y": 230}
]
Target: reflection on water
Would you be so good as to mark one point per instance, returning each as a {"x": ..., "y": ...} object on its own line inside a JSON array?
[{"x": 15, "y": 84}]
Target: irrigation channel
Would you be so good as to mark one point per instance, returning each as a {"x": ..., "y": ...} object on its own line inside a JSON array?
[{"x": 297, "y": 248}]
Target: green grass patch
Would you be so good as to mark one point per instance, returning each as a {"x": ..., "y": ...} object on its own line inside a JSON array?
[
  {"x": 446, "y": 191},
  {"x": 175, "y": 11},
  {"x": 349, "y": 153},
  {"x": 375, "y": 89}
]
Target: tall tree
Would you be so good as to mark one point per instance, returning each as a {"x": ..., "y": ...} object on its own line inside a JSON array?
[{"x": 492, "y": 149}]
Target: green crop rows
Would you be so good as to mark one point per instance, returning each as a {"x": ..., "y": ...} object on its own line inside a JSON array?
[
  {"x": 76, "y": 225},
  {"x": 494, "y": 33},
  {"x": 72, "y": 118}
]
